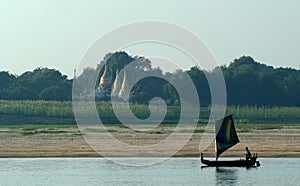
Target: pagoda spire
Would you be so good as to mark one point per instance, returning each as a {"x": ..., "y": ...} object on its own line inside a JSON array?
[
  {"x": 116, "y": 85},
  {"x": 75, "y": 74},
  {"x": 102, "y": 79},
  {"x": 124, "y": 87}
]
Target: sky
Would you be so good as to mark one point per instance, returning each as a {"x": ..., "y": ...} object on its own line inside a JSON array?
[{"x": 57, "y": 33}]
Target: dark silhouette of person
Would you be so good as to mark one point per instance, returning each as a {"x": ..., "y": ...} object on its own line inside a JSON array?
[{"x": 248, "y": 154}]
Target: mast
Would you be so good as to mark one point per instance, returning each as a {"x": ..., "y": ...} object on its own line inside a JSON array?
[{"x": 216, "y": 150}]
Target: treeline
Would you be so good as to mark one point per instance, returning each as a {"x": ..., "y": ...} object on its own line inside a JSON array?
[
  {"x": 252, "y": 83},
  {"x": 40, "y": 84},
  {"x": 247, "y": 81}
]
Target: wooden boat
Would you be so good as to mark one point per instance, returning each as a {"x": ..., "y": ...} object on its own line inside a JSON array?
[{"x": 226, "y": 137}]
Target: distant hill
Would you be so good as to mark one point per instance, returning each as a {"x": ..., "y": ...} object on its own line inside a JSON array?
[{"x": 248, "y": 83}]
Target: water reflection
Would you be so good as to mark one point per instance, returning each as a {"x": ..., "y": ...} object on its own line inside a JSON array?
[{"x": 226, "y": 176}]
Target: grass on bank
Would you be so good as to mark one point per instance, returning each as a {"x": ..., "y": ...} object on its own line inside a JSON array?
[
  {"x": 33, "y": 129},
  {"x": 50, "y": 112},
  {"x": 39, "y": 126},
  {"x": 238, "y": 126}
]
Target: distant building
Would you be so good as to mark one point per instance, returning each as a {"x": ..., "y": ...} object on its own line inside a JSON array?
[{"x": 119, "y": 87}]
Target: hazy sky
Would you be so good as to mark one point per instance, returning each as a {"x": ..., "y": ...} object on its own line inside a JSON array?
[{"x": 56, "y": 33}]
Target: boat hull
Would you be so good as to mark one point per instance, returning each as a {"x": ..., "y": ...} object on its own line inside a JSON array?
[{"x": 235, "y": 163}]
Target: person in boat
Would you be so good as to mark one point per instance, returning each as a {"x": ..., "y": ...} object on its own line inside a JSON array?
[{"x": 248, "y": 154}]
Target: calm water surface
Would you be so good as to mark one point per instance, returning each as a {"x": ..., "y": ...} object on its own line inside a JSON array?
[{"x": 175, "y": 171}]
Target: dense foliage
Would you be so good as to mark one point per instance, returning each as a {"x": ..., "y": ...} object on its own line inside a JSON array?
[
  {"x": 247, "y": 81},
  {"x": 252, "y": 83},
  {"x": 41, "y": 84}
]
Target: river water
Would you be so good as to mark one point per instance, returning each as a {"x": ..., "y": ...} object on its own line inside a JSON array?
[{"x": 174, "y": 171}]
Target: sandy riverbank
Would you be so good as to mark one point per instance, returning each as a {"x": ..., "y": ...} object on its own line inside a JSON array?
[{"x": 68, "y": 142}]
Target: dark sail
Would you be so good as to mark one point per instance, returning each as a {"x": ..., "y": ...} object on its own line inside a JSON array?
[{"x": 226, "y": 135}]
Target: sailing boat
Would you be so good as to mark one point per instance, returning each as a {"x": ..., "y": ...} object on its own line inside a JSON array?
[{"x": 226, "y": 137}]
